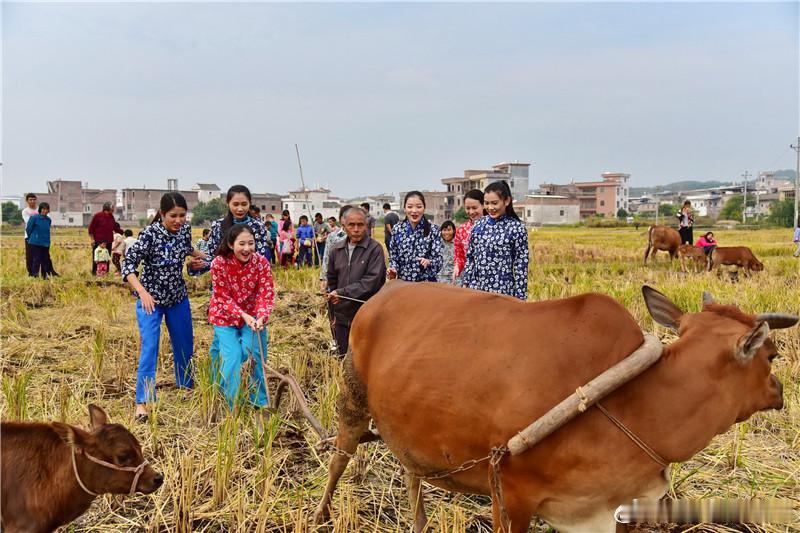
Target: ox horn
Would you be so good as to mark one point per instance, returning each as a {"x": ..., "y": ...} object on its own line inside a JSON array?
[
  {"x": 707, "y": 298},
  {"x": 778, "y": 320}
]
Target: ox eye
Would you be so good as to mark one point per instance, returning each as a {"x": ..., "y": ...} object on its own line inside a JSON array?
[
  {"x": 124, "y": 458},
  {"x": 772, "y": 357}
]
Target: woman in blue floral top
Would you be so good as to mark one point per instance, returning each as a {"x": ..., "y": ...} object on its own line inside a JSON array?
[
  {"x": 415, "y": 250},
  {"x": 162, "y": 247},
  {"x": 497, "y": 256}
]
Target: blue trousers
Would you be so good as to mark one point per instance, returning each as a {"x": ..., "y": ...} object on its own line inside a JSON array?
[
  {"x": 179, "y": 324},
  {"x": 235, "y": 346},
  {"x": 304, "y": 256}
]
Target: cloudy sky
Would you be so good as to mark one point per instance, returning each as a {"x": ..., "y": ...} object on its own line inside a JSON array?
[{"x": 387, "y": 97}]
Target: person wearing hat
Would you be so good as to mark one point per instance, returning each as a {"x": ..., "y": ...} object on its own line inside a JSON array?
[{"x": 102, "y": 229}]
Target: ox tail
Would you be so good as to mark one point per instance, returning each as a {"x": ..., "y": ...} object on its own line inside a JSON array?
[
  {"x": 352, "y": 403},
  {"x": 649, "y": 242}
]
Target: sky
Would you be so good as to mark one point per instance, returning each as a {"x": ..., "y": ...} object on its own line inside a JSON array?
[{"x": 392, "y": 97}]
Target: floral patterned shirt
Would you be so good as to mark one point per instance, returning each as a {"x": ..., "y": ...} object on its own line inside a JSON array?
[
  {"x": 461, "y": 244},
  {"x": 408, "y": 245},
  {"x": 240, "y": 288},
  {"x": 448, "y": 262},
  {"x": 336, "y": 236},
  {"x": 162, "y": 254},
  {"x": 260, "y": 233},
  {"x": 497, "y": 257}
]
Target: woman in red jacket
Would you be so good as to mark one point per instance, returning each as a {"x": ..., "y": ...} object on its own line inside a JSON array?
[{"x": 239, "y": 309}]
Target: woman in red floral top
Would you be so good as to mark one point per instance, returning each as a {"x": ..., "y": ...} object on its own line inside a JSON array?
[
  {"x": 240, "y": 306},
  {"x": 473, "y": 205}
]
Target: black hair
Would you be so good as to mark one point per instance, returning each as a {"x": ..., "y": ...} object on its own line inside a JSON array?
[
  {"x": 225, "y": 248},
  {"x": 387, "y": 206},
  {"x": 302, "y": 218},
  {"x": 255, "y": 209},
  {"x": 286, "y": 213},
  {"x": 343, "y": 210},
  {"x": 426, "y": 224},
  {"x": 169, "y": 201},
  {"x": 287, "y": 224},
  {"x": 317, "y": 215},
  {"x": 332, "y": 218},
  {"x": 227, "y": 222},
  {"x": 365, "y": 206},
  {"x": 501, "y": 189},
  {"x": 128, "y": 233},
  {"x": 206, "y": 231},
  {"x": 44, "y": 205},
  {"x": 447, "y": 224},
  {"x": 31, "y": 195},
  {"x": 475, "y": 194}
]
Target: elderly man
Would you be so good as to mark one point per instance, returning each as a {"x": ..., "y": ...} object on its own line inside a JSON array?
[
  {"x": 102, "y": 229},
  {"x": 356, "y": 271}
]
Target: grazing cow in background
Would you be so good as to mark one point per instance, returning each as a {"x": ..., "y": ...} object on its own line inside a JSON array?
[
  {"x": 740, "y": 256},
  {"x": 662, "y": 238},
  {"x": 442, "y": 392},
  {"x": 695, "y": 254},
  {"x": 51, "y": 473}
]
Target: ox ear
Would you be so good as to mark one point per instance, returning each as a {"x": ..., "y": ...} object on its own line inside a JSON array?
[
  {"x": 661, "y": 308},
  {"x": 749, "y": 344},
  {"x": 707, "y": 299},
  {"x": 97, "y": 416},
  {"x": 73, "y": 436}
]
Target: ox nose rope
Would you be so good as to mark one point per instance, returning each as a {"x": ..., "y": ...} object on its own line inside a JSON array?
[
  {"x": 348, "y": 298},
  {"x": 137, "y": 470},
  {"x": 631, "y": 435}
]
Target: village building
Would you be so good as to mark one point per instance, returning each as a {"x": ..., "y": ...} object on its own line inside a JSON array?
[
  {"x": 548, "y": 210},
  {"x": 311, "y": 201},
  {"x": 207, "y": 192}
]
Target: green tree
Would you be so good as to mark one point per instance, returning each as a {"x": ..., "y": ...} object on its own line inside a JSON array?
[
  {"x": 781, "y": 213},
  {"x": 667, "y": 210},
  {"x": 209, "y": 211},
  {"x": 460, "y": 216},
  {"x": 11, "y": 214},
  {"x": 621, "y": 213}
]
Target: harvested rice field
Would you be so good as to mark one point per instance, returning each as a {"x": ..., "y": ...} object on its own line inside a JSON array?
[{"x": 73, "y": 340}]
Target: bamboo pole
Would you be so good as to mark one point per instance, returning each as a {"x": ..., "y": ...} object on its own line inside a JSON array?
[{"x": 630, "y": 367}]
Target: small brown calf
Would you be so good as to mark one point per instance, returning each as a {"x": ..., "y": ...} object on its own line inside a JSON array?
[
  {"x": 51, "y": 473},
  {"x": 695, "y": 254}
]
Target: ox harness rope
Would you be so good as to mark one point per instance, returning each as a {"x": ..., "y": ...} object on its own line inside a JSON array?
[{"x": 137, "y": 470}]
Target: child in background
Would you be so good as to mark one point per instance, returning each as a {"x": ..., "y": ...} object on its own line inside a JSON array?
[
  {"x": 239, "y": 308},
  {"x": 286, "y": 243},
  {"x": 101, "y": 259},
  {"x": 445, "y": 275},
  {"x": 202, "y": 242},
  {"x": 130, "y": 240},
  {"x": 117, "y": 249},
  {"x": 305, "y": 239}
]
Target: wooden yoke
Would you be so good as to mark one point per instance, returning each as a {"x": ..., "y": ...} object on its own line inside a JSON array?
[{"x": 586, "y": 396}]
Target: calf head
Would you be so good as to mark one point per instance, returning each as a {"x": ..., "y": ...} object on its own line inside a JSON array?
[
  {"x": 728, "y": 349},
  {"x": 114, "y": 444},
  {"x": 756, "y": 265}
]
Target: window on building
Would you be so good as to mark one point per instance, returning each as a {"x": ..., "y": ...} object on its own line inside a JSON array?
[
  {"x": 70, "y": 220},
  {"x": 561, "y": 213},
  {"x": 286, "y": 206},
  {"x": 602, "y": 203}
]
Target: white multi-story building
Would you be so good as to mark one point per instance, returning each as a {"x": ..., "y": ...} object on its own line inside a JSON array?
[
  {"x": 207, "y": 191},
  {"x": 311, "y": 201}
]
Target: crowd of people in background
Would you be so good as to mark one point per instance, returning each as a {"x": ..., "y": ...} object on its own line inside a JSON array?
[{"x": 488, "y": 252}]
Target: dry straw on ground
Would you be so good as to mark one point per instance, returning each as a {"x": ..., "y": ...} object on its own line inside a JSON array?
[{"x": 74, "y": 340}]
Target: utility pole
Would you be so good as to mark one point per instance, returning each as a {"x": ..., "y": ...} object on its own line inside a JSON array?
[
  {"x": 796, "y": 148},
  {"x": 744, "y": 201}
]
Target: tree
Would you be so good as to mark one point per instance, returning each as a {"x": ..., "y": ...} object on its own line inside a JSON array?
[
  {"x": 209, "y": 211},
  {"x": 781, "y": 213},
  {"x": 11, "y": 214},
  {"x": 621, "y": 213},
  {"x": 667, "y": 210},
  {"x": 460, "y": 216}
]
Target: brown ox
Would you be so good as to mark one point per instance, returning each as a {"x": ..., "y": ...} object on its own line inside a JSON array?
[
  {"x": 41, "y": 486},
  {"x": 662, "y": 238},
  {"x": 445, "y": 388},
  {"x": 740, "y": 256},
  {"x": 695, "y": 254}
]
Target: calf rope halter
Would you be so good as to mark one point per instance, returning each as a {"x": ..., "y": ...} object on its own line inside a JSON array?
[{"x": 137, "y": 470}]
